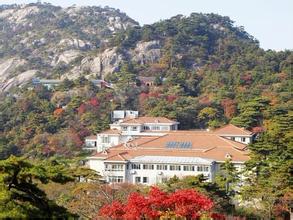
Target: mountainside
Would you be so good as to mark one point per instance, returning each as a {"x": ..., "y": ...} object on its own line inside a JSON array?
[
  {"x": 205, "y": 72},
  {"x": 41, "y": 40},
  {"x": 200, "y": 70}
]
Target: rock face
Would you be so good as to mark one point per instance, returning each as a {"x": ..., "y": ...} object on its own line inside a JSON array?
[
  {"x": 146, "y": 52},
  {"x": 9, "y": 76},
  {"x": 66, "y": 57},
  {"x": 100, "y": 65},
  {"x": 74, "y": 44},
  {"x": 39, "y": 37},
  {"x": 18, "y": 80},
  {"x": 109, "y": 61},
  {"x": 19, "y": 15},
  {"x": 8, "y": 73}
]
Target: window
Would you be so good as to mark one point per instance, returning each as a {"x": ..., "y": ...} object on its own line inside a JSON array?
[
  {"x": 175, "y": 167},
  {"x": 148, "y": 166},
  {"x": 145, "y": 179},
  {"x": 105, "y": 139},
  {"x": 147, "y": 128},
  {"x": 155, "y": 128},
  {"x": 233, "y": 138},
  {"x": 203, "y": 168},
  {"x": 174, "y": 127},
  {"x": 162, "y": 167},
  {"x": 114, "y": 167},
  {"x": 188, "y": 168},
  {"x": 134, "y": 128},
  {"x": 164, "y": 128},
  {"x": 124, "y": 128},
  {"x": 137, "y": 179},
  {"x": 199, "y": 168},
  {"x": 115, "y": 179},
  {"x": 243, "y": 139},
  {"x": 135, "y": 166}
]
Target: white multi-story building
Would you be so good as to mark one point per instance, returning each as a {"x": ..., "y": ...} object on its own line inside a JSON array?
[
  {"x": 129, "y": 127},
  {"x": 150, "y": 159}
]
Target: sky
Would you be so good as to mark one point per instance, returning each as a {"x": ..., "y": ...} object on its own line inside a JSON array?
[{"x": 269, "y": 21}]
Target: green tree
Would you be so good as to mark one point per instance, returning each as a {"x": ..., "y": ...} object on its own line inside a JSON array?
[
  {"x": 20, "y": 195},
  {"x": 228, "y": 177},
  {"x": 270, "y": 166},
  {"x": 200, "y": 183}
]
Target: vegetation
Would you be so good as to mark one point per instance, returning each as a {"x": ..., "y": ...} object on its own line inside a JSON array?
[
  {"x": 208, "y": 73},
  {"x": 20, "y": 195},
  {"x": 182, "y": 204}
]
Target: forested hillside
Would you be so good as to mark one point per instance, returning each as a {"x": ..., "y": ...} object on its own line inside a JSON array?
[{"x": 207, "y": 72}]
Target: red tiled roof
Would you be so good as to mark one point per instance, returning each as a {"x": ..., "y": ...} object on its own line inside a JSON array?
[
  {"x": 232, "y": 130},
  {"x": 205, "y": 145},
  {"x": 92, "y": 137}
]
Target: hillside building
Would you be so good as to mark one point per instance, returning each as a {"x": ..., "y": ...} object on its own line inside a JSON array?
[{"x": 150, "y": 150}]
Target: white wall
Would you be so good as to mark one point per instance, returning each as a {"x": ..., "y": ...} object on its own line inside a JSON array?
[
  {"x": 248, "y": 139},
  {"x": 157, "y": 176},
  {"x": 97, "y": 165},
  {"x": 113, "y": 140}
]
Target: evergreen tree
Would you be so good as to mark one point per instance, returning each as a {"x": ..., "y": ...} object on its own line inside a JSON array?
[
  {"x": 270, "y": 166},
  {"x": 20, "y": 196}
]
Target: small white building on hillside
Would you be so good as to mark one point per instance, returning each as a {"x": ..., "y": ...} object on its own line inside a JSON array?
[
  {"x": 129, "y": 128},
  {"x": 235, "y": 133}
]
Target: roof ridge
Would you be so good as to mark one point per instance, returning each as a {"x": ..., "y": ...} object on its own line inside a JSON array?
[
  {"x": 236, "y": 127},
  {"x": 241, "y": 128},
  {"x": 118, "y": 154},
  {"x": 209, "y": 149},
  {"x": 155, "y": 138}
]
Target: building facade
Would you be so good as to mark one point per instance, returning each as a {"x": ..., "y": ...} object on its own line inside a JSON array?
[
  {"x": 152, "y": 159},
  {"x": 127, "y": 126}
]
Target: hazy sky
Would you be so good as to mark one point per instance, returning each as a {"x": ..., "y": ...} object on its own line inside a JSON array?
[{"x": 270, "y": 21}]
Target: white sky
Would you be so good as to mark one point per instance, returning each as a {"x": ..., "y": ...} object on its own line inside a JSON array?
[{"x": 270, "y": 21}]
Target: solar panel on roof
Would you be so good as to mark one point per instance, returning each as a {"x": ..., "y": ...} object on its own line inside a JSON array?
[{"x": 178, "y": 145}]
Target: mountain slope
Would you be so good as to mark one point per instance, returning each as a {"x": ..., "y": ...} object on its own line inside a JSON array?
[
  {"x": 44, "y": 38},
  {"x": 206, "y": 71}
]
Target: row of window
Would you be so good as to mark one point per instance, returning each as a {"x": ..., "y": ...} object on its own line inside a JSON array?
[
  {"x": 134, "y": 166},
  {"x": 144, "y": 179},
  {"x": 105, "y": 139},
  {"x": 115, "y": 179},
  {"x": 243, "y": 139},
  {"x": 146, "y": 128},
  {"x": 114, "y": 167},
  {"x": 199, "y": 168}
]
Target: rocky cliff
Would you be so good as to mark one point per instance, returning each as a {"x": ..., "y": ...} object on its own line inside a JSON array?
[{"x": 39, "y": 38}]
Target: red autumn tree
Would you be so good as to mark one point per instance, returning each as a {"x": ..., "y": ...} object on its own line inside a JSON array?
[
  {"x": 94, "y": 101},
  {"x": 185, "y": 203},
  {"x": 229, "y": 106},
  {"x": 82, "y": 109}
]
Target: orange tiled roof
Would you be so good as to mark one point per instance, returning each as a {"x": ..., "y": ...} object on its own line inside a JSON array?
[
  {"x": 146, "y": 119},
  {"x": 232, "y": 130},
  {"x": 205, "y": 145},
  {"x": 92, "y": 137}
]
